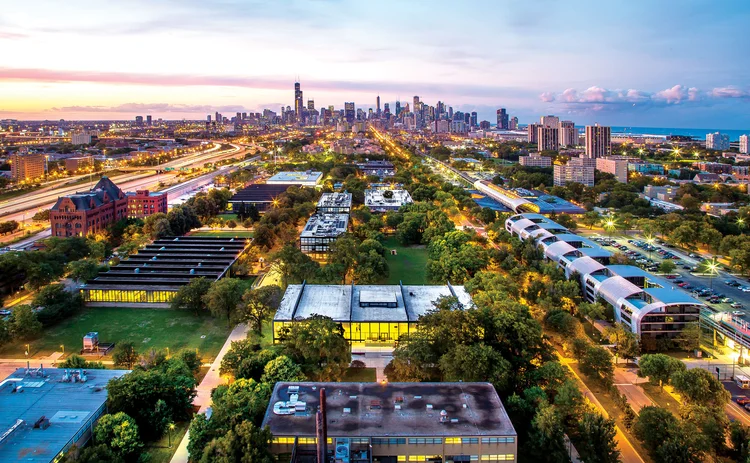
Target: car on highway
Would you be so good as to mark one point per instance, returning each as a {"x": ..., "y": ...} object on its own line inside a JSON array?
[
  {"x": 744, "y": 289},
  {"x": 736, "y": 305},
  {"x": 4, "y": 312},
  {"x": 732, "y": 283},
  {"x": 742, "y": 400},
  {"x": 738, "y": 313}
]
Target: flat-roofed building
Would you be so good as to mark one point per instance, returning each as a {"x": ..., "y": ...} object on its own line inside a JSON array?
[
  {"x": 45, "y": 411},
  {"x": 377, "y": 168},
  {"x": 78, "y": 163},
  {"x": 261, "y": 195},
  {"x": 152, "y": 277},
  {"x": 320, "y": 231},
  {"x": 368, "y": 313},
  {"x": 578, "y": 170},
  {"x": 27, "y": 166},
  {"x": 393, "y": 422},
  {"x": 547, "y": 138},
  {"x": 378, "y": 200},
  {"x": 335, "y": 203},
  {"x": 534, "y": 160},
  {"x": 598, "y": 141},
  {"x": 308, "y": 178},
  {"x": 616, "y": 165},
  {"x": 144, "y": 203}
]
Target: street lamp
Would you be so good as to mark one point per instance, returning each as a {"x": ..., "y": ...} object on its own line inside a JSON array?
[
  {"x": 62, "y": 346},
  {"x": 28, "y": 349},
  {"x": 741, "y": 223},
  {"x": 712, "y": 268},
  {"x": 170, "y": 427}
]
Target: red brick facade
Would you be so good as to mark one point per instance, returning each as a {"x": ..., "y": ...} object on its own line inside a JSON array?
[{"x": 142, "y": 203}]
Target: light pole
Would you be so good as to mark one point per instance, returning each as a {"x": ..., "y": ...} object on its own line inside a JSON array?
[
  {"x": 28, "y": 349},
  {"x": 170, "y": 427},
  {"x": 712, "y": 268},
  {"x": 62, "y": 346}
]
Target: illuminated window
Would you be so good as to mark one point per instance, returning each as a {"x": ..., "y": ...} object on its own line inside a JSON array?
[
  {"x": 452, "y": 440},
  {"x": 402, "y": 458},
  {"x": 500, "y": 457},
  {"x": 283, "y": 440}
]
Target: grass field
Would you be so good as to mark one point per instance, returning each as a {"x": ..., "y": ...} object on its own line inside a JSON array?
[
  {"x": 228, "y": 217},
  {"x": 147, "y": 328},
  {"x": 239, "y": 233},
  {"x": 408, "y": 265},
  {"x": 355, "y": 375},
  {"x": 160, "y": 451}
]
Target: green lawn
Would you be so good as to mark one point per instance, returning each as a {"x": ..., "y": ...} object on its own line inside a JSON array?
[
  {"x": 160, "y": 451},
  {"x": 228, "y": 217},
  {"x": 358, "y": 375},
  {"x": 239, "y": 233},
  {"x": 408, "y": 265},
  {"x": 147, "y": 328}
]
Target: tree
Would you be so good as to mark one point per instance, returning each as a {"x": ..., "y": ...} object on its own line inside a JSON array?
[
  {"x": 594, "y": 311},
  {"x": 191, "y": 295},
  {"x": 293, "y": 265},
  {"x": 84, "y": 270},
  {"x": 625, "y": 341},
  {"x": 157, "y": 226},
  {"x": 654, "y": 426},
  {"x": 264, "y": 236},
  {"x": 597, "y": 362},
  {"x": 591, "y": 219},
  {"x": 546, "y": 440},
  {"x": 700, "y": 387},
  {"x": 247, "y": 443},
  {"x": 55, "y": 302},
  {"x": 120, "y": 433},
  {"x": 282, "y": 368},
  {"x": 75, "y": 361},
  {"x": 597, "y": 439},
  {"x": 260, "y": 304},
  {"x": 23, "y": 323},
  {"x": 124, "y": 354},
  {"x": 153, "y": 398},
  {"x": 318, "y": 344},
  {"x": 477, "y": 362},
  {"x": 192, "y": 360},
  {"x": 223, "y": 298},
  {"x": 667, "y": 266},
  {"x": 659, "y": 368}
]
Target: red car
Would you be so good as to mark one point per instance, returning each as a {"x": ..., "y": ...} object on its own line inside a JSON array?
[{"x": 742, "y": 400}]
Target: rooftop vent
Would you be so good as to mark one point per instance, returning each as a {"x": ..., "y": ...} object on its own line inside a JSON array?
[
  {"x": 137, "y": 270},
  {"x": 429, "y": 406},
  {"x": 347, "y": 410}
]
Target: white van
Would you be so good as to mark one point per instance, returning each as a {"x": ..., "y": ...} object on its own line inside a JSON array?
[{"x": 742, "y": 381}]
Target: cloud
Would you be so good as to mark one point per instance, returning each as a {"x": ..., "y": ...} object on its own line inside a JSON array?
[
  {"x": 4, "y": 35},
  {"x": 150, "y": 107},
  {"x": 547, "y": 97},
  {"x": 598, "y": 98},
  {"x": 265, "y": 83}
]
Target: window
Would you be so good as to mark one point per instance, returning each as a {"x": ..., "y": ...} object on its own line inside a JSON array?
[
  {"x": 452, "y": 440},
  {"x": 500, "y": 457},
  {"x": 307, "y": 440},
  {"x": 469, "y": 440},
  {"x": 498, "y": 440},
  {"x": 428, "y": 440},
  {"x": 283, "y": 440},
  {"x": 402, "y": 458},
  {"x": 388, "y": 441}
]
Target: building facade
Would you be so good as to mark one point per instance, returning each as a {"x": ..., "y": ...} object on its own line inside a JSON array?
[
  {"x": 391, "y": 423},
  {"x": 93, "y": 211},
  {"x": 717, "y": 141},
  {"x": 744, "y": 148},
  {"x": 579, "y": 170},
  {"x": 598, "y": 141},
  {"x": 651, "y": 307},
  {"x": 27, "y": 166},
  {"x": 616, "y": 165},
  {"x": 533, "y": 160},
  {"x": 568, "y": 134},
  {"x": 78, "y": 163},
  {"x": 320, "y": 231},
  {"x": 144, "y": 203},
  {"x": 502, "y": 119},
  {"x": 547, "y": 139}
]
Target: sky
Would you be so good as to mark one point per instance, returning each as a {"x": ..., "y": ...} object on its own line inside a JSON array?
[{"x": 666, "y": 63}]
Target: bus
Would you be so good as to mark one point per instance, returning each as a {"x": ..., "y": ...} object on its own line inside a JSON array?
[{"x": 742, "y": 381}]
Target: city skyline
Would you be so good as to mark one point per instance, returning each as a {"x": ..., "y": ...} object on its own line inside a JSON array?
[{"x": 665, "y": 65}]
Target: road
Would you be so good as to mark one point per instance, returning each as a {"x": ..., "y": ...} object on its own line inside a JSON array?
[{"x": 212, "y": 380}]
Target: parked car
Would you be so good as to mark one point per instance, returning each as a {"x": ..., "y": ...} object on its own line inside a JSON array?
[
  {"x": 4, "y": 312},
  {"x": 738, "y": 313},
  {"x": 727, "y": 300}
]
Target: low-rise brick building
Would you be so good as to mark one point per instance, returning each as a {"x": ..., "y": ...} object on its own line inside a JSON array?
[{"x": 143, "y": 203}]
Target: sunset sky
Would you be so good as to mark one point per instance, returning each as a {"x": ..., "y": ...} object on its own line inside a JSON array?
[{"x": 640, "y": 63}]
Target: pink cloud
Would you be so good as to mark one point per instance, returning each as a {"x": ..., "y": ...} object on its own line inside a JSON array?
[{"x": 547, "y": 97}]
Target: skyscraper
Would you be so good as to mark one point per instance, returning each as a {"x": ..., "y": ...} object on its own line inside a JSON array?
[
  {"x": 598, "y": 141},
  {"x": 378, "y": 106},
  {"x": 387, "y": 110},
  {"x": 349, "y": 112},
  {"x": 533, "y": 133},
  {"x": 744, "y": 144},
  {"x": 298, "y": 101},
  {"x": 148, "y": 119},
  {"x": 547, "y": 139},
  {"x": 550, "y": 121},
  {"x": 310, "y": 105},
  {"x": 398, "y": 108},
  {"x": 139, "y": 120},
  {"x": 717, "y": 141},
  {"x": 473, "y": 118},
  {"x": 568, "y": 134},
  {"x": 502, "y": 119},
  {"x": 513, "y": 124}
]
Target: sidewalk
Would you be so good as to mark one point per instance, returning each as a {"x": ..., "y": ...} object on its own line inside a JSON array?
[{"x": 204, "y": 389}]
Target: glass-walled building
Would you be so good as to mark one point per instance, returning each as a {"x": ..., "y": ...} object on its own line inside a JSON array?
[
  {"x": 152, "y": 277},
  {"x": 369, "y": 314},
  {"x": 392, "y": 423}
]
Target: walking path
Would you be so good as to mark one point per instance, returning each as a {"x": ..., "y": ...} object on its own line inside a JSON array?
[{"x": 210, "y": 382}]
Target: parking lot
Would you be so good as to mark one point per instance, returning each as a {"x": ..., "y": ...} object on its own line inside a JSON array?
[{"x": 722, "y": 297}]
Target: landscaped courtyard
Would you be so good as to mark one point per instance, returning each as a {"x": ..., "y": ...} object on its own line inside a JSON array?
[
  {"x": 409, "y": 265},
  {"x": 146, "y": 328}
]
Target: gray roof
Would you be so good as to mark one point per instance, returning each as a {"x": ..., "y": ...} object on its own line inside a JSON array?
[
  {"x": 68, "y": 406},
  {"x": 372, "y": 410},
  {"x": 342, "y": 302},
  {"x": 585, "y": 265},
  {"x": 104, "y": 191},
  {"x": 672, "y": 296}
]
